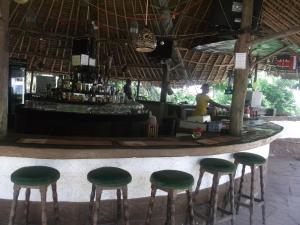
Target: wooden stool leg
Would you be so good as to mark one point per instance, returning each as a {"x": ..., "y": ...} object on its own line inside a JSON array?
[
  {"x": 151, "y": 204},
  {"x": 27, "y": 205},
  {"x": 190, "y": 207},
  {"x": 240, "y": 190},
  {"x": 97, "y": 209},
  {"x": 43, "y": 190},
  {"x": 168, "y": 210},
  {"x": 214, "y": 200},
  {"x": 14, "y": 205},
  {"x": 262, "y": 188},
  {"x": 91, "y": 206},
  {"x": 198, "y": 184},
  {"x": 252, "y": 194},
  {"x": 231, "y": 193},
  {"x": 173, "y": 195},
  {"x": 119, "y": 206},
  {"x": 55, "y": 203},
  {"x": 125, "y": 205}
]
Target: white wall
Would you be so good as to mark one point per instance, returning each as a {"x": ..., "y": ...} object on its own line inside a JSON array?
[{"x": 74, "y": 187}]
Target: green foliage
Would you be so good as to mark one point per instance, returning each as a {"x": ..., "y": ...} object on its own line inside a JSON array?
[
  {"x": 149, "y": 92},
  {"x": 219, "y": 96},
  {"x": 277, "y": 94},
  {"x": 180, "y": 96}
]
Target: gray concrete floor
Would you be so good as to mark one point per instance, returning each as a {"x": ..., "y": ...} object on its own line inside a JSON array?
[{"x": 282, "y": 195}]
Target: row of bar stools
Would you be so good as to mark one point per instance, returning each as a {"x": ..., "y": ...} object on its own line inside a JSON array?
[
  {"x": 252, "y": 160},
  {"x": 217, "y": 167},
  {"x": 109, "y": 178},
  {"x": 172, "y": 182},
  {"x": 34, "y": 177}
]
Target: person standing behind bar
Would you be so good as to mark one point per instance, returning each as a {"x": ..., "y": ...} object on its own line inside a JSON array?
[
  {"x": 203, "y": 100},
  {"x": 127, "y": 89}
]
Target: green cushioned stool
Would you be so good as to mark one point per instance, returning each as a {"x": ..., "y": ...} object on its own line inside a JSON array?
[
  {"x": 108, "y": 178},
  {"x": 34, "y": 177},
  {"x": 249, "y": 159},
  {"x": 252, "y": 160},
  {"x": 218, "y": 168},
  {"x": 172, "y": 182}
]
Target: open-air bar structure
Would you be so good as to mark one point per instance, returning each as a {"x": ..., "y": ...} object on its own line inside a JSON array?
[{"x": 79, "y": 131}]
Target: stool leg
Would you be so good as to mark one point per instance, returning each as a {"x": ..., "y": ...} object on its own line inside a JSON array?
[
  {"x": 240, "y": 190},
  {"x": 262, "y": 188},
  {"x": 119, "y": 205},
  {"x": 173, "y": 195},
  {"x": 125, "y": 205},
  {"x": 27, "y": 205},
  {"x": 151, "y": 204},
  {"x": 252, "y": 194},
  {"x": 14, "y": 205},
  {"x": 190, "y": 207},
  {"x": 214, "y": 200},
  {"x": 168, "y": 210},
  {"x": 97, "y": 209},
  {"x": 231, "y": 193},
  {"x": 198, "y": 184},
  {"x": 91, "y": 206},
  {"x": 55, "y": 202},
  {"x": 43, "y": 190}
]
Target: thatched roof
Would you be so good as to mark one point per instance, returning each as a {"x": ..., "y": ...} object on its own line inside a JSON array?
[{"x": 42, "y": 32}]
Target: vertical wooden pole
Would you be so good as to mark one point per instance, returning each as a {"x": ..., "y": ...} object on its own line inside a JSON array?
[
  {"x": 138, "y": 90},
  {"x": 4, "y": 56},
  {"x": 241, "y": 77},
  {"x": 164, "y": 90}
]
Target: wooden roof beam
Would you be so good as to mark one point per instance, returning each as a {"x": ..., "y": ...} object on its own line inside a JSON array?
[{"x": 277, "y": 35}]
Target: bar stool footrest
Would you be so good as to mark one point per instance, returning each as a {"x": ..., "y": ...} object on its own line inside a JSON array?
[
  {"x": 225, "y": 211},
  {"x": 225, "y": 218},
  {"x": 246, "y": 205},
  {"x": 198, "y": 207},
  {"x": 255, "y": 199}
]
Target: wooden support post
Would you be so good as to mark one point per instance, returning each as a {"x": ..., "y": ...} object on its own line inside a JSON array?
[
  {"x": 278, "y": 35},
  {"x": 138, "y": 90},
  {"x": 4, "y": 56},
  {"x": 241, "y": 77},
  {"x": 164, "y": 90}
]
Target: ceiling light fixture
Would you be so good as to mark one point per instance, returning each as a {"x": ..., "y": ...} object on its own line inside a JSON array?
[{"x": 145, "y": 40}]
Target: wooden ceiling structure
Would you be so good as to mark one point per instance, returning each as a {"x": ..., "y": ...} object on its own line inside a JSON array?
[{"x": 41, "y": 31}]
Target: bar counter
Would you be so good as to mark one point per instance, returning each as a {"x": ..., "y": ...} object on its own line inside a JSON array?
[
  {"x": 81, "y": 119},
  {"x": 75, "y": 157},
  {"x": 256, "y": 134}
]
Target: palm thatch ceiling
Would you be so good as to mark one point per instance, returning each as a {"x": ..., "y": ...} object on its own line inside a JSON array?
[{"x": 41, "y": 31}]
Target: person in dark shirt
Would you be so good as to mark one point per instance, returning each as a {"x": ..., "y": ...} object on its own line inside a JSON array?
[{"x": 127, "y": 89}]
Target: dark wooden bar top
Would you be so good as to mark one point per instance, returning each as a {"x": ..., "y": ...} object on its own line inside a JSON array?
[{"x": 256, "y": 134}]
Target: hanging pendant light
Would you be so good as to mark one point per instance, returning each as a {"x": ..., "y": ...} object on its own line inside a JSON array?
[
  {"x": 21, "y": 2},
  {"x": 145, "y": 40}
]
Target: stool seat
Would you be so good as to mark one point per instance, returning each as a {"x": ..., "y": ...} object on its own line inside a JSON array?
[
  {"x": 35, "y": 176},
  {"x": 213, "y": 165},
  {"x": 109, "y": 177},
  {"x": 249, "y": 158},
  {"x": 172, "y": 179}
]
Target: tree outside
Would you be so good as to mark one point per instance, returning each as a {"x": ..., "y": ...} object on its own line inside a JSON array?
[{"x": 278, "y": 94}]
